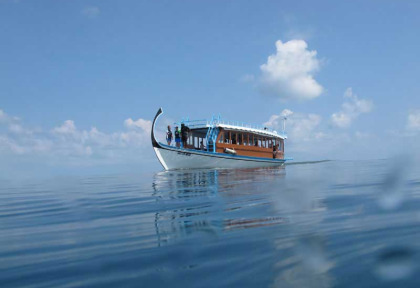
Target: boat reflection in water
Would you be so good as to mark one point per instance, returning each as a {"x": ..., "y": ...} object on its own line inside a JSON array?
[
  {"x": 248, "y": 215},
  {"x": 203, "y": 200},
  {"x": 186, "y": 197}
]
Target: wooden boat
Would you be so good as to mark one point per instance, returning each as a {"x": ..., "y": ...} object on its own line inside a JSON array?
[{"x": 227, "y": 145}]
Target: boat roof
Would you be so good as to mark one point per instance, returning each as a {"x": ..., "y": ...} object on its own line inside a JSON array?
[
  {"x": 233, "y": 126},
  {"x": 263, "y": 132}
]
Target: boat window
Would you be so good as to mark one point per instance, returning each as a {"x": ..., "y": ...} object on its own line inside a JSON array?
[
  {"x": 257, "y": 141},
  {"x": 222, "y": 137}
]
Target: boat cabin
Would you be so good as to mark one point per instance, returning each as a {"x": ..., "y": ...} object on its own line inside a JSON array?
[{"x": 233, "y": 138}]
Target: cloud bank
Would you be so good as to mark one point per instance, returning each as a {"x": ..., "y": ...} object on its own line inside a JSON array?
[
  {"x": 289, "y": 74},
  {"x": 68, "y": 144},
  {"x": 311, "y": 138},
  {"x": 300, "y": 127}
]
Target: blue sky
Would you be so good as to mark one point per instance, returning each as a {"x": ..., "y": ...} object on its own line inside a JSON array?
[{"x": 98, "y": 64}]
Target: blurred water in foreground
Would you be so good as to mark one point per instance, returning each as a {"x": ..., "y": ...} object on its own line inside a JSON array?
[{"x": 331, "y": 224}]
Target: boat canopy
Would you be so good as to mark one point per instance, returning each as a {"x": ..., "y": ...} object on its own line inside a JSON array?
[{"x": 217, "y": 122}]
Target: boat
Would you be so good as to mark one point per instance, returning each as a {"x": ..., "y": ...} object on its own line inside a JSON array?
[{"x": 226, "y": 145}]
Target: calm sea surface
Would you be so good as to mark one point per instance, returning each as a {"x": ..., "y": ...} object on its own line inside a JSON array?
[{"x": 330, "y": 224}]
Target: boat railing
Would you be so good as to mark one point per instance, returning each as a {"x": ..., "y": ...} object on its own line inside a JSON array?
[
  {"x": 194, "y": 123},
  {"x": 249, "y": 126},
  {"x": 217, "y": 120}
]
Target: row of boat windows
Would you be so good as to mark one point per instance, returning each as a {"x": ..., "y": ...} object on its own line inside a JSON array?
[{"x": 238, "y": 138}]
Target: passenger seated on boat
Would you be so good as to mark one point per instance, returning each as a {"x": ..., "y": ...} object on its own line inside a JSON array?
[
  {"x": 256, "y": 143},
  {"x": 202, "y": 147}
]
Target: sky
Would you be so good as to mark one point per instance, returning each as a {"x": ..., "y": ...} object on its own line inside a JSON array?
[{"x": 80, "y": 81}]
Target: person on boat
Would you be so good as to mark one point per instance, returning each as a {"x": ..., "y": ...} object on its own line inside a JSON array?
[
  {"x": 177, "y": 137},
  {"x": 202, "y": 147},
  {"x": 184, "y": 135},
  {"x": 169, "y": 135},
  {"x": 275, "y": 149},
  {"x": 233, "y": 139}
]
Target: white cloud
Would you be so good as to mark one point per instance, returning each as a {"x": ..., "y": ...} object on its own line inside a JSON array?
[
  {"x": 309, "y": 138},
  {"x": 7, "y": 144},
  {"x": 16, "y": 128},
  {"x": 413, "y": 120},
  {"x": 276, "y": 121},
  {"x": 68, "y": 127},
  {"x": 299, "y": 127},
  {"x": 13, "y": 124},
  {"x": 286, "y": 112},
  {"x": 91, "y": 11},
  {"x": 350, "y": 109},
  {"x": 4, "y": 118},
  {"x": 142, "y": 124},
  {"x": 66, "y": 142},
  {"x": 302, "y": 127},
  {"x": 288, "y": 74}
]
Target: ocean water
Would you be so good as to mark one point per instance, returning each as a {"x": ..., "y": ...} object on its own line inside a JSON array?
[{"x": 329, "y": 224}]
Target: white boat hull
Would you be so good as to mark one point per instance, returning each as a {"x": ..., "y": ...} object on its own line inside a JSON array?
[{"x": 177, "y": 158}]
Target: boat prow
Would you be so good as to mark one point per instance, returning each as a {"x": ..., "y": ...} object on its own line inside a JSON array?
[{"x": 155, "y": 143}]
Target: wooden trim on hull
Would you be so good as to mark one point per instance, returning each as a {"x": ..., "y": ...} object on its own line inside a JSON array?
[
  {"x": 248, "y": 150},
  {"x": 179, "y": 158}
]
